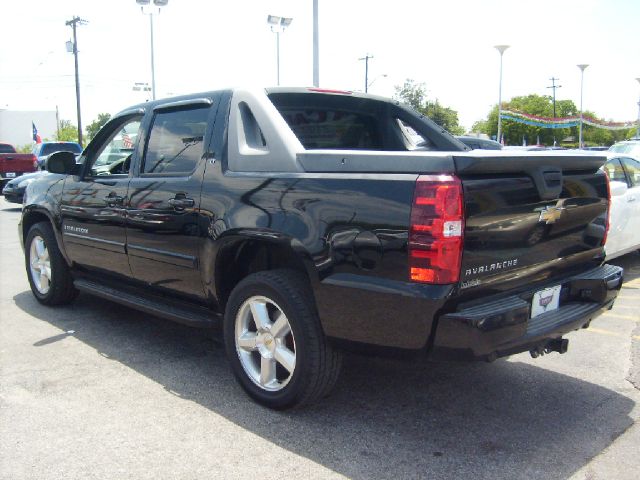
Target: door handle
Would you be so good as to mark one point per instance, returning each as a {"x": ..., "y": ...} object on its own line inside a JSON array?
[
  {"x": 180, "y": 202},
  {"x": 112, "y": 199},
  {"x": 631, "y": 199}
]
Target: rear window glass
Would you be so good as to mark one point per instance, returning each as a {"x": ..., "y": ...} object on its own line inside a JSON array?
[
  {"x": 4, "y": 148},
  {"x": 333, "y": 129},
  {"x": 49, "y": 148},
  {"x": 630, "y": 148},
  {"x": 339, "y": 122}
]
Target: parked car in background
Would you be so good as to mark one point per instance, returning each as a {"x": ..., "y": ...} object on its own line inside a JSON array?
[
  {"x": 13, "y": 191},
  {"x": 44, "y": 149},
  {"x": 624, "y": 213},
  {"x": 479, "y": 143},
  {"x": 630, "y": 148},
  {"x": 14, "y": 164}
]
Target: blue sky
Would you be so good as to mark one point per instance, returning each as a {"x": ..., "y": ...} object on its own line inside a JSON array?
[{"x": 204, "y": 45}]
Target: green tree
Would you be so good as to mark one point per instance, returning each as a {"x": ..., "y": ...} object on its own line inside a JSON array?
[
  {"x": 24, "y": 148},
  {"x": 415, "y": 95},
  {"x": 94, "y": 127},
  {"x": 67, "y": 132}
]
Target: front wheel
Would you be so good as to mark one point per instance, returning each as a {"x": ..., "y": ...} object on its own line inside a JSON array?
[
  {"x": 48, "y": 273},
  {"x": 274, "y": 341}
]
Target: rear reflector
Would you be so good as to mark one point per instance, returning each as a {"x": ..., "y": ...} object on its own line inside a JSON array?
[{"x": 436, "y": 231}]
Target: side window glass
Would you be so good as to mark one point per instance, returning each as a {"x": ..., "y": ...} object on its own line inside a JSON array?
[
  {"x": 615, "y": 171},
  {"x": 114, "y": 156},
  {"x": 633, "y": 171},
  {"x": 412, "y": 139},
  {"x": 176, "y": 141}
]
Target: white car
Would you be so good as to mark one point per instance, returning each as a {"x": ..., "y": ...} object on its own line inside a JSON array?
[
  {"x": 624, "y": 217},
  {"x": 627, "y": 148}
]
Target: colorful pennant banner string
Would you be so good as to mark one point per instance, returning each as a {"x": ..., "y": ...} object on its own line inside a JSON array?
[{"x": 562, "y": 122}]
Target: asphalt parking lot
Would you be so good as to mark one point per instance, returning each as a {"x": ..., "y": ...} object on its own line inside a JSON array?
[{"x": 96, "y": 390}]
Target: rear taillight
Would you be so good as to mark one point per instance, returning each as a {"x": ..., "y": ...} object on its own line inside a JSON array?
[
  {"x": 606, "y": 226},
  {"x": 436, "y": 231},
  {"x": 35, "y": 161}
]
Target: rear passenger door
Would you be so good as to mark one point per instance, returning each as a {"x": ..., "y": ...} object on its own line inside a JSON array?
[{"x": 163, "y": 234}]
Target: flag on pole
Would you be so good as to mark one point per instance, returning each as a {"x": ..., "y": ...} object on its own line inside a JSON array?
[{"x": 36, "y": 137}]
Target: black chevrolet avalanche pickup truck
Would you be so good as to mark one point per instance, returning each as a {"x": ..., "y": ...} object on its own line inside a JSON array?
[{"x": 305, "y": 221}]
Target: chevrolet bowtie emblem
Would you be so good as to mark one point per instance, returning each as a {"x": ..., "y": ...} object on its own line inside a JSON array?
[{"x": 550, "y": 214}]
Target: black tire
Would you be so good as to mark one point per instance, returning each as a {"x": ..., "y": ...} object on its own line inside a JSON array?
[
  {"x": 317, "y": 364},
  {"x": 60, "y": 289}
]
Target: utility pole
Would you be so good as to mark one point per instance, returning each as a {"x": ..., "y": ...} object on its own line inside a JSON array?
[
  {"x": 72, "y": 23},
  {"x": 366, "y": 71},
  {"x": 554, "y": 87}
]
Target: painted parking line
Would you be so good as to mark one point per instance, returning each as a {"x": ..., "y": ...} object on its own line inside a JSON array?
[
  {"x": 635, "y": 283},
  {"x": 610, "y": 333},
  {"x": 635, "y": 318}
]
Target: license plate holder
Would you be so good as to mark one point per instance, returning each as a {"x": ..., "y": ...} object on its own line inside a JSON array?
[
  {"x": 11, "y": 174},
  {"x": 546, "y": 300}
]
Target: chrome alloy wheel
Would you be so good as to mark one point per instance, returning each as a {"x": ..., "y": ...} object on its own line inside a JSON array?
[
  {"x": 40, "y": 265},
  {"x": 264, "y": 343}
]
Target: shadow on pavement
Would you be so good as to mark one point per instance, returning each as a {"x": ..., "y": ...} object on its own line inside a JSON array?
[
  {"x": 7, "y": 208},
  {"x": 386, "y": 418}
]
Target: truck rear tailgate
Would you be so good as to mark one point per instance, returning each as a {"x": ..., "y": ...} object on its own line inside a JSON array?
[
  {"x": 531, "y": 267},
  {"x": 530, "y": 219}
]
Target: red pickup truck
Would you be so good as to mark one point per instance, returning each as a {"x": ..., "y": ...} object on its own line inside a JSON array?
[{"x": 13, "y": 164}]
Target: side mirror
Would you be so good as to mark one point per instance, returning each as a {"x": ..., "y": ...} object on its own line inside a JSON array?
[
  {"x": 61, "y": 162},
  {"x": 617, "y": 188}
]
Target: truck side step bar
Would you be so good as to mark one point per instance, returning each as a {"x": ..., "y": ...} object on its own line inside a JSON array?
[{"x": 192, "y": 316}]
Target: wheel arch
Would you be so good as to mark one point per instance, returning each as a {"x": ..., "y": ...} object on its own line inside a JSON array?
[
  {"x": 30, "y": 217},
  {"x": 242, "y": 255}
]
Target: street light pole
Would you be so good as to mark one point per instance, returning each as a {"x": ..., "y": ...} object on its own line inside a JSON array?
[
  {"x": 383, "y": 75},
  {"x": 501, "y": 49},
  {"x": 316, "y": 47},
  {"x": 153, "y": 63},
  {"x": 638, "y": 132},
  {"x": 159, "y": 4},
  {"x": 278, "y": 24},
  {"x": 582, "y": 67},
  {"x": 72, "y": 23}
]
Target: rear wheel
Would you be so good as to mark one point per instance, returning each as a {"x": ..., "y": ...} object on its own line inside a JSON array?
[
  {"x": 274, "y": 341},
  {"x": 48, "y": 273}
]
